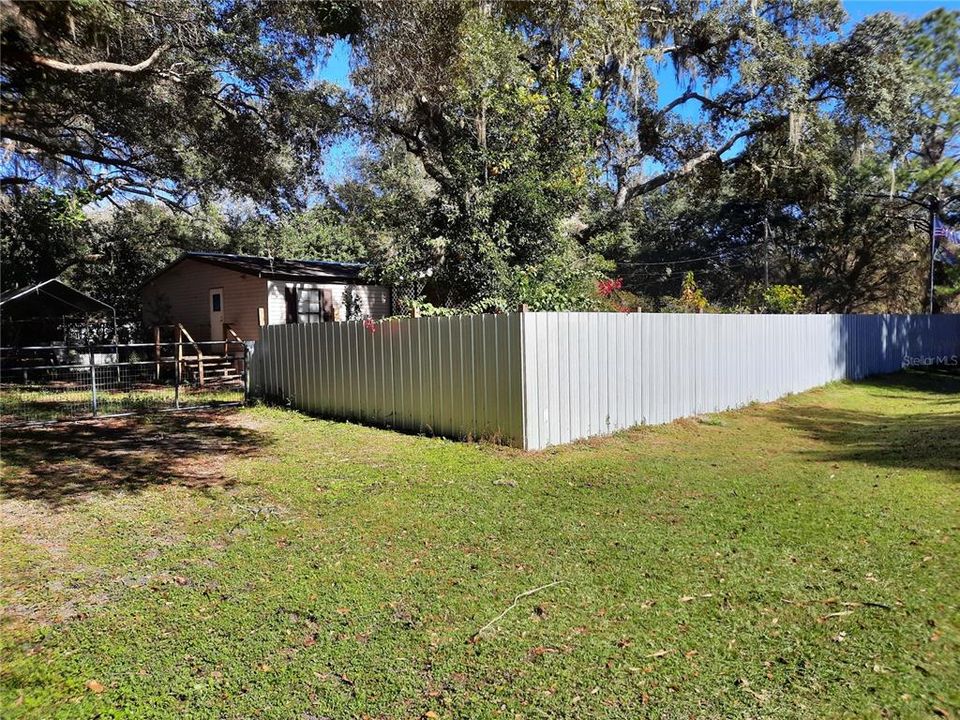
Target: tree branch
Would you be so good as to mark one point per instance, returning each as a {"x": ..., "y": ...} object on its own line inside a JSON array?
[
  {"x": 680, "y": 100},
  {"x": 17, "y": 180},
  {"x": 727, "y": 108},
  {"x": 629, "y": 191},
  {"x": 416, "y": 146},
  {"x": 56, "y": 152},
  {"x": 100, "y": 65}
]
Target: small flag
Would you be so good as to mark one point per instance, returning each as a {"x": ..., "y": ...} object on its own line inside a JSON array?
[
  {"x": 948, "y": 243},
  {"x": 945, "y": 256}
]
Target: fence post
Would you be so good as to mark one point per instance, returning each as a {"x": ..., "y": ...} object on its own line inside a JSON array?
[
  {"x": 178, "y": 360},
  {"x": 93, "y": 380},
  {"x": 179, "y": 346},
  {"x": 156, "y": 351},
  {"x": 245, "y": 375}
]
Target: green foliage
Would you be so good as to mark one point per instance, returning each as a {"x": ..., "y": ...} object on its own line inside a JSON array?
[
  {"x": 111, "y": 253},
  {"x": 514, "y": 152},
  {"x": 195, "y": 98},
  {"x": 42, "y": 234},
  {"x": 108, "y": 254},
  {"x": 819, "y": 114},
  {"x": 511, "y": 147},
  {"x": 933, "y": 51},
  {"x": 776, "y": 299},
  {"x": 425, "y": 309},
  {"x": 317, "y": 233},
  {"x": 691, "y": 299},
  {"x": 839, "y": 209},
  {"x": 130, "y": 244}
]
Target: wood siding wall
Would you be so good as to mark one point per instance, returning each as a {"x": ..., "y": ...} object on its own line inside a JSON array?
[
  {"x": 374, "y": 299},
  {"x": 182, "y": 294}
]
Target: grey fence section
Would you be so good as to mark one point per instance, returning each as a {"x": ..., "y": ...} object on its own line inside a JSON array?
[
  {"x": 591, "y": 374},
  {"x": 457, "y": 376},
  {"x": 538, "y": 379}
]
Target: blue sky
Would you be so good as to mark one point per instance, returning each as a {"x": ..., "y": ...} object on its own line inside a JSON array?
[
  {"x": 859, "y": 9},
  {"x": 337, "y": 69}
]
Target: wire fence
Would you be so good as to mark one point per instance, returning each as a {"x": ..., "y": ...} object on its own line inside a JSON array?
[{"x": 56, "y": 383}]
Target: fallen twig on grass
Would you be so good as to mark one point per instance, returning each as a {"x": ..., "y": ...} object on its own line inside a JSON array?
[
  {"x": 518, "y": 598},
  {"x": 882, "y": 606},
  {"x": 835, "y": 601}
]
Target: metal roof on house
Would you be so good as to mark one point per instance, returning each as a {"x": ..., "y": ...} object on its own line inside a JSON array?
[
  {"x": 49, "y": 299},
  {"x": 280, "y": 268}
]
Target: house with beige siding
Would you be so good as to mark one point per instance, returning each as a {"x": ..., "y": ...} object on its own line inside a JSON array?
[{"x": 211, "y": 293}]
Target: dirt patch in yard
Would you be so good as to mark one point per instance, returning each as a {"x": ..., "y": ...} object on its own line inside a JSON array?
[
  {"x": 52, "y": 473},
  {"x": 62, "y": 464}
]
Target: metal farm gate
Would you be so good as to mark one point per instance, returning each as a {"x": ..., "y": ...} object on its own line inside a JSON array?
[{"x": 53, "y": 383}]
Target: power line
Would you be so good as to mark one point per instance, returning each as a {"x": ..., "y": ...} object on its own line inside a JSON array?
[{"x": 681, "y": 261}]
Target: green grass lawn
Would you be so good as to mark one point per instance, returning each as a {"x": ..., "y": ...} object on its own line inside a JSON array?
[
  {"x": 36, "y": 403},
  {"x": 798, "y": 559}
]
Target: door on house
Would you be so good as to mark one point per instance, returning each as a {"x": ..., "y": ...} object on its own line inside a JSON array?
[{"x": 216, "y": 314}]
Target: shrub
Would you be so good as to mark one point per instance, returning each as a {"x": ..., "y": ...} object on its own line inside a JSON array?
[
  {"x": 691, "y": 300},
  {"x": 776, "y": 299}
]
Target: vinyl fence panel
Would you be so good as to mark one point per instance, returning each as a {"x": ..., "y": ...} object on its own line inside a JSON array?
[{"x": 538, "y": 379}]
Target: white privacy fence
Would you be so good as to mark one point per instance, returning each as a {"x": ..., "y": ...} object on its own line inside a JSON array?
[{"x": 537, "y": 379}]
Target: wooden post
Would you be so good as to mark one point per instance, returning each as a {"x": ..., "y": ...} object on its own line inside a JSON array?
[
  {"x": 414, "y": 311},
  {"x": 93, "y": 380},
  {"x": 179, "y": 353},
  {"x": 244, "y": 374},
  {"x": 523, "y": 308},
  {"x": 156, "y": 352}
]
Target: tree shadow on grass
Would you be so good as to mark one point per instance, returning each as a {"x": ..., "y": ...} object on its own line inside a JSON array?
[
  {"x": 61, "y": 464},
  {"x": 940, "y": 380},
  {"x": 916, "y": 441}
]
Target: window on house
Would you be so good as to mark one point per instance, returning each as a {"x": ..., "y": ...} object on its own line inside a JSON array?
[{"x": 308, "y": 305}]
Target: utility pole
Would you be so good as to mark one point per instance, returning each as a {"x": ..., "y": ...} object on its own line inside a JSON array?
[
  {"x": 934, "y": 213},
  {"x": 766, "y": 252}
]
